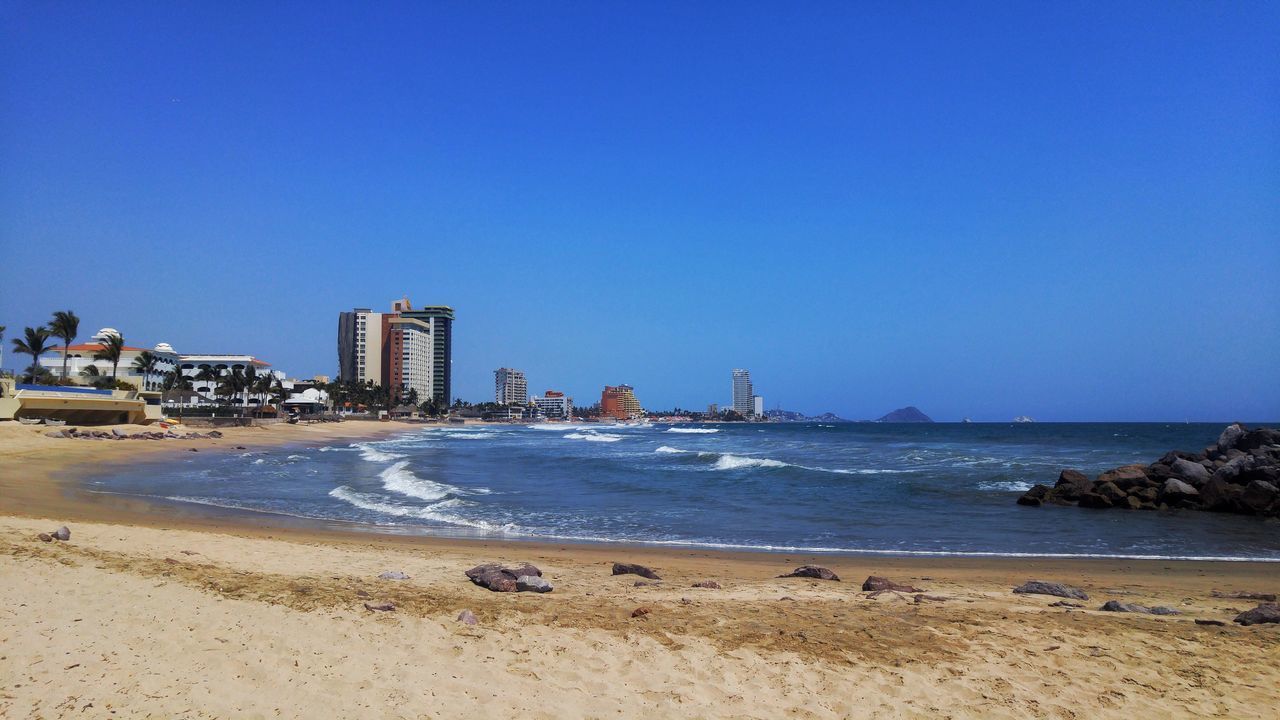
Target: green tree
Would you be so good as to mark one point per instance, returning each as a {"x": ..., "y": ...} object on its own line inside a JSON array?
[
  {"x": 145, "y": 365},
  {"x": 65, "y": 326},
  {"x": 112, "y": 349},
  {"x": 35, "y": 343}
]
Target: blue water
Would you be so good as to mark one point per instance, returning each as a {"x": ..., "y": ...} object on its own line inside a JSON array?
[{"x": 943, "y": 488}]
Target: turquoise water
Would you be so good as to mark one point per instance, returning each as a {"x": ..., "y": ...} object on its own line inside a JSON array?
[{"x": 869, "y": 488}]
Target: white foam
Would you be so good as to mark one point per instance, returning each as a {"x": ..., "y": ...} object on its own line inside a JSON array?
[
  {"x": 737, "y": 462},
  {"x": 296, "y": 457},
  {"x": 259, "y": 461},
  {"x": 593, "y": 437},
  {"x": 1008, "y": 486},
  {"x": 400, "y": 479},
  {"x": 698, "y": 431},
  {"x": 670, "y": 450},
  {"x": 372, "y": 454},
  {"x": 376, "y": 504}
]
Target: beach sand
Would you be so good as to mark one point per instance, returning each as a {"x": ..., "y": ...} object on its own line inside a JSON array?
[{"x": 151, "y": 612}]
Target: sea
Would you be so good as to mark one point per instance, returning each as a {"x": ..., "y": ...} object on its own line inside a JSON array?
[{"x": 858, "y": 488}]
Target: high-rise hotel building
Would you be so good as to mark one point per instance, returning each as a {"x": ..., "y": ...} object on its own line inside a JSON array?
[
  {"x": 743, "y": 395},
  {"x": 619, "y": 401},
  {"x": 405, "y": 349},
  {"x": 509, "y": 387}
]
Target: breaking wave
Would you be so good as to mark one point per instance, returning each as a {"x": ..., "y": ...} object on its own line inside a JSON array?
[
  {"x": 697, "y": 431},
  {"x": 593, "y": 437}
]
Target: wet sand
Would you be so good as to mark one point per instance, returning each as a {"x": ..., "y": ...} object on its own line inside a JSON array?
[{"x": 148, "y": 610}]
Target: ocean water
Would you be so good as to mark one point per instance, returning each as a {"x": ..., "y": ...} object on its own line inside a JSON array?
[{"x": 860, "y": 488}]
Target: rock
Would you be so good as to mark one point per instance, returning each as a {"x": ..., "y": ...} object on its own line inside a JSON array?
[
  {"x": 119, "y": 433},
  {"x": 1175, "y": 488},
  {"x": 1258, "y": 496},
  {"x": 380, "y": 607},
  {"x": 393, "y": 575},
  {"x": 708, "y": 584},
  {"x": 62, "y": 533},
  {"x": 1216, "y": 623},
  {"x": 1040, "y": 587},
  {"x": 632, "y": 569},
  {"x": 466, "y": 617},
  {"x": 1219, "y": 496},
  {"x": 240, "y": 447},
  {"x": 532, "y": 583},
  {"x": 1117, "y": 606},
  {"x": 1146, "y": 494},
  {"x": 812, "y": 571},
  {"x": 1260, "y": 438},
  {"x": 1035, "y": 496},
  {"x": 876, "y": 583},
  {"x": 192, "y": 450},
  {"x": 640, "y": 612},
  {"x": 45, "y": 537},
  {"x": 1110, "y": 491},
  {"x": 1233, "y": 469},
  {"x": 1192, "y": 472},
  {"x": 1094, "y": 500},
  {"x": 646, "y": 583},
  {"x": 1267, "y": 597},
  {"x": 1065, "y": 604},
  {"x": 1124, "y": 477},
  {"x": 56, "y": 434},
  {"x": 1134, "y": 503},
  {"x": 1264, "y": 613},
  {"x": 1230, "y": 436},
  {"x": 1071, "y": 485},
  {"x": 501, "y": 579},
  {"x": 214, "y": 434}
]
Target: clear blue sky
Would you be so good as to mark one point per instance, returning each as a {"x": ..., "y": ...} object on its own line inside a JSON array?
[{"x": 1070, "y": 211}]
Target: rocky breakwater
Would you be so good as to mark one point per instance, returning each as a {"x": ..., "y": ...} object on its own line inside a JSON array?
[{"x": 1238, "y": 474}]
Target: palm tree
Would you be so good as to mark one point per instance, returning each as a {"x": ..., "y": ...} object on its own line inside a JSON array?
[
  {"x": 250, "y": 375},
  {"x": 145, "y": 365},
  {"x": 35, "y": 344},
  {"x": 65, "y": 325},
  {"x": 112, "y": 349},
  {"x": 211, "y": 375}
]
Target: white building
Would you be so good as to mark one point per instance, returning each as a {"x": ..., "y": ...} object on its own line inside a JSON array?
[
  {"x": 206, "y": 372},
  {"x": 509, "y": 387},
  {"x": 758, "y": 406},
  {"x": 554, "y": 405},
  {"x": 80, "y": 358},
  {"x": 409, "y": 359},
  {"x": 743, "y": 402}
]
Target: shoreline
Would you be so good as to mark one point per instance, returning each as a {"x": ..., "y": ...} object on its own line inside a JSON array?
[{"x": 151, "y": 610}]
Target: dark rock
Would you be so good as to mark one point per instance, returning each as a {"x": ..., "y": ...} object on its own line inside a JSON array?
[
  {"x": 640, "y": 612},
  {"x": 646, "y": 583},
  {"x": 380, "y": 607},
  {"x": 62, "y": 533},
  {"x": 1264, "y": 613},
  {"x": 393, "y": 575},
  {"x": 466, "y": 617},
  {"x": 1065, "y": 604},
  {"x": 1260, "y": 438},
  {"x": 1134, "y": 503},
  {"x": 192, "y": 450},
  {"x": 214, "y": 434},
  {"x": 1110, "y": 491},
  {"x": 1219, "y": 496},
  {"x": 532, "y": 583},
  {"x": 239, "y": 447},
  {"x": 812, "y": 571},
  {"x": 1258, "y": 496},
  {"x": 1036, "y": 496},
  {"x": 1040, "y": 587},
  {"x": 1216, "y": 623},
  {"x": 1094, "y": 500},
  {"x": 1235, "y": 468},
  {"x": 56, "y": 434},
  {"x": 1117, "y": 606},
  {"x": 501, "y": 579},
  {"x": 1192, "y": 472},
  {"x": 632, "y": 569},
  {"x": 876, "y": 583},
  {"x": 1245, "y": 595},
  {"x": 708, "y": 584},
  {"x": 1124, "y": 477},
  {"x": 45, "y": 537},
  {"x": 1147, "y": 495}
]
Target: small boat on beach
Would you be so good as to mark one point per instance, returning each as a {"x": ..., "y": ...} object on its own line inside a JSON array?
[
  {"x": 54, "y": 423},
  {"x": 30, "y": 421}
]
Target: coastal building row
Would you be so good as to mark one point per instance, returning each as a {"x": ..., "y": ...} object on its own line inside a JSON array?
[
  {"x": 509, "y": 387},
  {"x": 407, "y": 349}
]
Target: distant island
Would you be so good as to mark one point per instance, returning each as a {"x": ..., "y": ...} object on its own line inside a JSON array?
[{"x": 909, "y": 414}]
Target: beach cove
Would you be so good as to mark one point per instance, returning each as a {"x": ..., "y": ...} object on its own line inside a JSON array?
[{"x": 148, "y": 610}]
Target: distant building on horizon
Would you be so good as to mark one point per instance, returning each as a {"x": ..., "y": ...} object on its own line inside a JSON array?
[
  {"x": 619, "y": 402},
  {"x": 509, "y": 387},
  {"x": 554, "y": 405},
  {"x": 405, "y": 349},
  {"x": 713, "y": 410},
  {"x": 757, "y": 406},
  {"x": 743, "y": 394}
]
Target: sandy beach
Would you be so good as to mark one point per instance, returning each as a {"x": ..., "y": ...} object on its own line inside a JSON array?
[{"x": 150, "y": 612}]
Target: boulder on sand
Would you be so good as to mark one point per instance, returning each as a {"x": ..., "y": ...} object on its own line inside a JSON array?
[
  {"x": 466, "y": 617},
  {"x": 501, "y": 579},
  {"x": 62, "y": 533},
  {"x": 812, "y": 571},
  {"x": 1117, "y": 606},
  {"x": 1040, "y": 587},
  {"x": 633, "y": 569},
  {"x": 532, "y": 583},
  {"x": 1264, "y": 613},
  {"x": 875, "y": 583}
]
